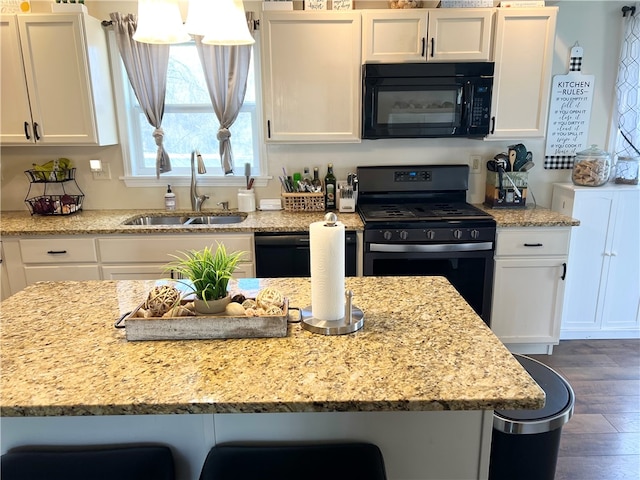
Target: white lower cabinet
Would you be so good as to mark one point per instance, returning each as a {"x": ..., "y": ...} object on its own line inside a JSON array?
[
  {"x": 528, "y": 287},
  {"x": 51, "y": 258},
  {"x": 117, "y": 257},
  {"x": 134, "y": 257},
  {"x": 603, "y": 284}
]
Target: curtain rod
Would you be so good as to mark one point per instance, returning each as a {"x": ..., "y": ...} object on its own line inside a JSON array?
[
  {"x": 627, "y": 9},
  {"x": 253, "y": 23}
]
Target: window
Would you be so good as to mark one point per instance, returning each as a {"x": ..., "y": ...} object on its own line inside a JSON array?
[{"x": 189, "y": 123}]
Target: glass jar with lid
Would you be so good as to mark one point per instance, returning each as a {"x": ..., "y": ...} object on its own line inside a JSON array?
[
  {"x": 627, "y": 170},
  {"x": 591, "y": 167}
]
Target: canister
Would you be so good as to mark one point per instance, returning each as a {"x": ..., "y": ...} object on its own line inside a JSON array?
[
  {"x": 627, "y": 170},
  {"x": 591, "y": 167},
  {"x": 246, "y": 200}
]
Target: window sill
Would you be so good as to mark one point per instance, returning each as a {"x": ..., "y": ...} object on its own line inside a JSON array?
[{"x": 183, "y": 180}]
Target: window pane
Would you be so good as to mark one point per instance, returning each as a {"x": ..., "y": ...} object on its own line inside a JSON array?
[
  {"x": 185, "y": 80},
  {"x": 186, "y": 132},
  {"x": 189, "y": 121}
]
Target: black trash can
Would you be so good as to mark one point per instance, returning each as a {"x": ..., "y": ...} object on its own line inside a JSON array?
[{"x": 525, "y": 443}]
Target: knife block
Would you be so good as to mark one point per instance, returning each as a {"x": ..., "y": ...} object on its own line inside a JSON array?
[
  {"x": 507, "y": 197},
  {"x": 347, "y": 197}
]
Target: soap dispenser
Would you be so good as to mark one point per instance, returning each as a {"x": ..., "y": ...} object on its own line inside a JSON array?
[{"x": 169, "y": 199}]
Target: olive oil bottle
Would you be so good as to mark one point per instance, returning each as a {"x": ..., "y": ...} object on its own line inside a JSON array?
[{"x": 330, "y": 189}]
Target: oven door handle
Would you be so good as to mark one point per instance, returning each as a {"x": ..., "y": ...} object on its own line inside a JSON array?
[{"x": 441, "y": 247}]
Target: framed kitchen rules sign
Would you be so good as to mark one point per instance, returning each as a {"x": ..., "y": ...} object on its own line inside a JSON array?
[{"x": 569, "y": 114}]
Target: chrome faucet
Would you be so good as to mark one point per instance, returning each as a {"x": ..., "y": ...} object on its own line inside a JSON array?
[{"x": 196, "y": 200}]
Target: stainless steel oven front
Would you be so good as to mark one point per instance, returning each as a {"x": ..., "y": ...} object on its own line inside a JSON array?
[{"x": 468, "y": 265}]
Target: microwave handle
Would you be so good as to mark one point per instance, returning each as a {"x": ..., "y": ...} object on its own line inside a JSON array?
[{"x": 466, "y": 106}]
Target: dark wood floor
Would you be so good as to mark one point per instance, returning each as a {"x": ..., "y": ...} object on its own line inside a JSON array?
[{"x": 602, "y": 440}]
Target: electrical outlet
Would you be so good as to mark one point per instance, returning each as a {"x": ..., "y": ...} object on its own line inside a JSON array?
[
  {"x": 104, "y": 174},
  {"x": 475, "y": 162}
]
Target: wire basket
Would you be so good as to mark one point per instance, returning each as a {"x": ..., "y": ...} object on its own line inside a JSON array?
[
  {"x": 55, "y": 204},
  {"x": 303, "y": 202},
  {"x": 49, "y": 176}
]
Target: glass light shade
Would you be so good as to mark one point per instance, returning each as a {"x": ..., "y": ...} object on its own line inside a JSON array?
[
  {"x": 226, "y": 23},
  {"x": 199, "y": 16},
  {"x": 159, "y": 21}
]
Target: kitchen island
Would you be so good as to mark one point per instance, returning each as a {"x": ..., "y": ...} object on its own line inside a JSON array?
[{"x": 420, "y": 379}]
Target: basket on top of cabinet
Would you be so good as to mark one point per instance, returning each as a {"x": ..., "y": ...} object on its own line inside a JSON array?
[{"x": 60, "y": 195}]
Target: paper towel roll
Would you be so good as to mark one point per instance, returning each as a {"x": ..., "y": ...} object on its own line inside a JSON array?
[{"x": 326, "y": 244}]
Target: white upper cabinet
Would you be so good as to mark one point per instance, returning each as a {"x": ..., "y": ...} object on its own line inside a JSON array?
[
  {"x": 432, "y": 35},
  {"x": 311, "y": 76},
  {"x": 523, "y": 56},
  {"x": 56, "y": 82}
]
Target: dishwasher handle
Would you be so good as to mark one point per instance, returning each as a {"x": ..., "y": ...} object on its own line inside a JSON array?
[
  {"x": 292, "y": 240},
  {"x": 272, "y": 240}
]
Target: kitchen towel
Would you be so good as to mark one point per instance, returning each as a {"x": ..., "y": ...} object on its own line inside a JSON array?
[{"x": 326, "y": 243}]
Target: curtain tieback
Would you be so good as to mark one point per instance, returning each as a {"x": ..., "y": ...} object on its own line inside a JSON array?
[
  {"x": 158, "y": 135},
  {"x": 223, "y": 134}
]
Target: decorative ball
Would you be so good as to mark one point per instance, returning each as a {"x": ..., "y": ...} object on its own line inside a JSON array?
[
  {"x": 161, "y": 299},
  {"x": 269, "y": 296},
  {"x": 249, "y": 303}
]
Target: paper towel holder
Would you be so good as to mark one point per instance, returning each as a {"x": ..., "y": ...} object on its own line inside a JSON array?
[{"x": 352, "y": 321}]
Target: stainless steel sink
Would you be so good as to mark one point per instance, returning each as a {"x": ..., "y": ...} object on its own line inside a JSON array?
[
  {"x": 149, "y": 220},
  {"x": 214, "y": 219}
]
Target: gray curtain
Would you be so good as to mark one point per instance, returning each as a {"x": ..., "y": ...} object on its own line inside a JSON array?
[
  {"x": 146, "y": 65},
  {"x": 225, "y": 69},
  {"x": 628, "y": 87}
]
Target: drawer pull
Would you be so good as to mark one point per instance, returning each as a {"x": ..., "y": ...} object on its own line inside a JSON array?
[
  {"x": 564, "y": 271},
  {"x": 56, "y": 252},
  {"x": 533, "y": 245}
]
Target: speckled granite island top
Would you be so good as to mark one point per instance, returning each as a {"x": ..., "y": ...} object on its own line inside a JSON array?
[
  {"x": 61, "y": 355},
  {"x": 111, "y": 222}
]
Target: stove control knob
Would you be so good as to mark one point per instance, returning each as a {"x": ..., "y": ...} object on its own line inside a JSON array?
[
  {"x": 386, "y": 235},
  {"x": 404, "y": 235},
  {"x": 431, "y": 234},
  {"x": 475, "y": 234},
  {"x": 457, "y": 234}
]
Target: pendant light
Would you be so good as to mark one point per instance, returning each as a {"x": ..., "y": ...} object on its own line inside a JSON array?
[
  {"x": 159, "y": 21},
  {"x": 220, "y": 22}
]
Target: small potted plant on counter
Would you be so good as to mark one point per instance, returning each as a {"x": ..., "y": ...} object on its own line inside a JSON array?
[{"x": 209, "y": 273}]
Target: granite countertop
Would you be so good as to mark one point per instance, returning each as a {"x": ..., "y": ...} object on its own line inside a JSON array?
[
  {"x": 529, "y": 217},
  {"x": 61, "y": 355},
  {"x": 99, "y": 222}
]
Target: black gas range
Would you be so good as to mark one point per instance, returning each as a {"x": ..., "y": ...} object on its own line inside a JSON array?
[{"x": 417, "y": 222}]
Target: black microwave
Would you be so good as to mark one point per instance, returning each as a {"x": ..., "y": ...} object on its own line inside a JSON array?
[{"x": 418, "y": 100}]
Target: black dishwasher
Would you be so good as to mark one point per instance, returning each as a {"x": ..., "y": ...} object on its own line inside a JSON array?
[{"x": 287, "y": 254}]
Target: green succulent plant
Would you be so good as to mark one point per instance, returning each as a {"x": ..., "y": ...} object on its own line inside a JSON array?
[{"x": 208, "y": 271}]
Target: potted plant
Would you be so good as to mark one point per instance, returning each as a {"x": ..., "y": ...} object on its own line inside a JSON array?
[{"x": 209, "y": 273}]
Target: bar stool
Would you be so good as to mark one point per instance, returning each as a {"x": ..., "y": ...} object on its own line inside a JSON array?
[
  {"x": 140, "y": 462},
  {"x": 344, "y": 461}
]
